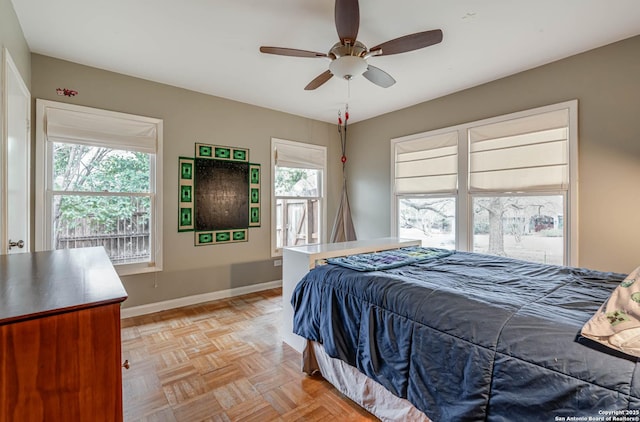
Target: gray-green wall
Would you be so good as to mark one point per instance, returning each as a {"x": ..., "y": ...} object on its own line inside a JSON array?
[
  {"x": 191, "y": 117},
  {"x": 12, "y": 41},
  {"x": 606, "y": 82},
  {"x": 12, "y": 38}
]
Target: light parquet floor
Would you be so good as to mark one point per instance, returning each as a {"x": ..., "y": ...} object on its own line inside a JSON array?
[{"x": 223, "y": 361}]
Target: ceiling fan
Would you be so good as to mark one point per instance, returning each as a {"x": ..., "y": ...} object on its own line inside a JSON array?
[{"x": 349, "y": 56}]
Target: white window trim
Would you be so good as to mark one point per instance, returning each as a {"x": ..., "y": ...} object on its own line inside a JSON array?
[
  {"x": 275, "y": 251},
  {"x": 464, "y": 217},
  {"x": 44, "y": 188}
]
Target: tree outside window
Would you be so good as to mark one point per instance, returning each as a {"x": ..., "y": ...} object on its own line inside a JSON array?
[
  {"x": 101, "y": 198},
  {"x": 523, "y": 227},
  {"x": 430, "y": 219},
  {"x": 507, "y": 184}
]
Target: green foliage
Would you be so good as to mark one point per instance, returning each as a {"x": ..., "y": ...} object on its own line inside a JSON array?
[
  {"x": 83, "y": 168},
  {"x": 296, "y": 182},
  {"x": 286, "y": 178}
]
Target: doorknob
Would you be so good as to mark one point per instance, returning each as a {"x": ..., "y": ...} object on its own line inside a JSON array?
[{"x": 19, "y": 243}]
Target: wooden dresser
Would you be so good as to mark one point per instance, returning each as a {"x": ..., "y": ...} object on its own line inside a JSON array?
[{"x": 60, "y": 352}]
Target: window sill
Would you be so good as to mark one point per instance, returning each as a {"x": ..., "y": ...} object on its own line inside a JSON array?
[{"x": 133, "y": 269}]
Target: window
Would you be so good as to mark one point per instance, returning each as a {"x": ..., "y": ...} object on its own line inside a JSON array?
[
  {"x": 431, "y": 219},
  {"x": 426, "y": 178},
  {"x": 299, "y": 179},
  {"x": 504, "y": 186},
  {"x": 98, "y": 183}
]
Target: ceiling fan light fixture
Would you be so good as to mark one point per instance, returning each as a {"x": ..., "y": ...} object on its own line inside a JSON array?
[
  {"x": 348, "y": 67},
  {"x": 349, "y": 56}
]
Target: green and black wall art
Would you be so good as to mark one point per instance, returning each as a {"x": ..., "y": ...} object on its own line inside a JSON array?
[{"x": 219, "y": 194}]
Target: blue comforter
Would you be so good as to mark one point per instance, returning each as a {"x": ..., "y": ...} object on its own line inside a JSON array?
[{"x": 471, "y": 337}]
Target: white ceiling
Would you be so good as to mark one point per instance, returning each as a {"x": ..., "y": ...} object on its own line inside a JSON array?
[{"x": 211, "y": 46}]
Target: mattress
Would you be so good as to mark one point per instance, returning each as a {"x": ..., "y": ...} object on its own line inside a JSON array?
[
  {"x": 359, "y": 388},
  {"x": 472, "y": 337}
]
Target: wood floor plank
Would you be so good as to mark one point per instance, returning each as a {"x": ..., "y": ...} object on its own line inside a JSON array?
[
  {"x": 142, "y": 406},
  {"x": 223, "y": 361},
  {"x": 199, "y": 408},
  {"x": 235, "y": 393},
  {"x": 258, "y": 410},
  {"x": 208, "y": 363}
]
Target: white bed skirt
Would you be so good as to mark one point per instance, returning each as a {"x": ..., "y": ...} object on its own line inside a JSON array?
[{"x": 358, "y": 387}]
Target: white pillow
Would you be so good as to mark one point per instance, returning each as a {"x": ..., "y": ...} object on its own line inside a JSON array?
[{"x": 617, "y": 322}]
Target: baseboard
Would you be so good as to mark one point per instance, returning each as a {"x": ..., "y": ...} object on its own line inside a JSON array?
[{"x": 193, "y": 300}]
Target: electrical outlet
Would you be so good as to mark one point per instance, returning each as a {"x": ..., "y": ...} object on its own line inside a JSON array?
[{"x": 277, "y": 263}]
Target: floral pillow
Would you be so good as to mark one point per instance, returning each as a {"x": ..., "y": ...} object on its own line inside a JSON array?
[{"x": 617, "y": 322}]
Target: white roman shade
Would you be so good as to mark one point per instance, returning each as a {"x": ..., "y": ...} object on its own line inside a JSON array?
[
  {"x": 287, "y": 154},
  {"x": 529, "y": 153},
  {"x": 427, "y": 165},
  {"x": 120, "y": 131}
]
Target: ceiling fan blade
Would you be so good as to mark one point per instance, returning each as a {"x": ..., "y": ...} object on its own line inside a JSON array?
[
  {"x": 290, "y": 52},
  {"x": 378, "y": 76},
  {"x": 409, "y": 42},
  {"x": 347, "y": 15},
  {"x": 319, "y": 80}
]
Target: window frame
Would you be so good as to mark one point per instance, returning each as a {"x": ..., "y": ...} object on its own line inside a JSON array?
[
  {"x": 563, "y": 194},
  {"x": 44, "y": 192},
  {"x": 322, "y": 207},
  {"x": 464, "y": 198},
  {"x": 440, "y": 195}
]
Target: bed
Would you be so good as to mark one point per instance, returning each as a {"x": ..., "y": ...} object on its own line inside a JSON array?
[{"x": 461, "y": 336}]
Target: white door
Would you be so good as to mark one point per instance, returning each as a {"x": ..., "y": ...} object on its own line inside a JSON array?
[{"x": 15, "y": 153}]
